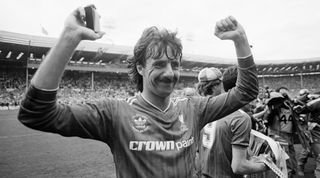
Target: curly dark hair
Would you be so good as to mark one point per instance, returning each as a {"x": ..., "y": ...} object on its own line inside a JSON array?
[
  {"x": 153, "y": 43},
  {"x": 229, "y": 77}
]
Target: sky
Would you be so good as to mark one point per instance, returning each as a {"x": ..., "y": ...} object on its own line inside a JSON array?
[{"x": 276, "y": 29}]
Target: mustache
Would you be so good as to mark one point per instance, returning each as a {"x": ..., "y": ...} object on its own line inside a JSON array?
[{"x": 168, "y": 79}]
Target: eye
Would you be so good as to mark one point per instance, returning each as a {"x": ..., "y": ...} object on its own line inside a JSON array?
[
  {"x": 175, "y": 65},
  {"x": 160, "y": 64}
]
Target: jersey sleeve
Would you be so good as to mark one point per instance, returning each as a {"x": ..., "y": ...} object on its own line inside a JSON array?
[
  {"x": 240, "y": 129},
  {"x": 215, "y": 107},
  {"x": 39, "y": 110}
]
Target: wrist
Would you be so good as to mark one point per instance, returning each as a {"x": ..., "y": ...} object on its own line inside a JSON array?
[
  {"x": 241, "y": 40},
  {"x": 242, "y": 46},
  {"x": 71, "y": 37}
]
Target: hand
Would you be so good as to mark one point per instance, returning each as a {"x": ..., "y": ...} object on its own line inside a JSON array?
[
  {"x": 260, "y": 160},
  {"x": 263, "y": 157},
  {"x": 76, "y": 28},
  {"x": 229, "y": 29}
]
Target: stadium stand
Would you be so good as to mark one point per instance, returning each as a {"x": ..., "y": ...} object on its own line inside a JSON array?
[{"x": 99, "y": 70}]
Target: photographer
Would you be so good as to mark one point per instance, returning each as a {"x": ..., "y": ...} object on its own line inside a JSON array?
[
  {"x": 308, "y": 108},
  {"x": 281, "y": 124}
]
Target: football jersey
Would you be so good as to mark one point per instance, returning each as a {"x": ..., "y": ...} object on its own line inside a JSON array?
[
  {"x": 145, "y": 141},
  {"x": 218, "y": 138},
  {"x": 155, "y": 143},
  {"x": 282, "y": 120},
  {"x": 285, "y": 118}
]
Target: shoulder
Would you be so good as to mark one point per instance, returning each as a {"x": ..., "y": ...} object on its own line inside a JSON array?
[{"x": 240, "y": 117}]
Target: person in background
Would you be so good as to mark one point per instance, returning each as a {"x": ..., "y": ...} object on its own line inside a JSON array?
[
  {"x": 310, "y": 116},
  {"x": 223, "y": 150},
  {"x": 281, "y": 124}
]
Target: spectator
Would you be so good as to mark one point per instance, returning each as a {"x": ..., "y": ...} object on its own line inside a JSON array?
[{"x": 222, "y": 152}]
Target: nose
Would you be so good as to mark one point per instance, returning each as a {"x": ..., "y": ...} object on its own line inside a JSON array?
[{"x": 168, "y": 70}]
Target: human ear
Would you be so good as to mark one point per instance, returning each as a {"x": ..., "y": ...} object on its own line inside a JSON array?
[{"x": 139, "y": 69}]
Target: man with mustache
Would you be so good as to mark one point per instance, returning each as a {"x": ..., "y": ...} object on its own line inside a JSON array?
[{"x": 151, "y": 134}]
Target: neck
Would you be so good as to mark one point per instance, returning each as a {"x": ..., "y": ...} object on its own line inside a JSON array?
[{"x": 159, "y": 102}]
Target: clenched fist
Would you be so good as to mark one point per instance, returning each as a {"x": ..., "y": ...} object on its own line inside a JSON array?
[{"x": 229, "y": 29}]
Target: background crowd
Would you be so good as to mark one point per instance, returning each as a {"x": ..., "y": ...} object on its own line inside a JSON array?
[{"x": 76, "y": 87}]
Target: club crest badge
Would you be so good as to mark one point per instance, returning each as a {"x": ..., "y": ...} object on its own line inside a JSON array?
[{"x": 140, "y": 123}]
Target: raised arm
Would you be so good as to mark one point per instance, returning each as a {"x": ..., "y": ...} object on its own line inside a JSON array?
[
  {"x": 39, "y": 108},
  {"x": 246, "y": 87},
  {"x": 49, "y": 74}
]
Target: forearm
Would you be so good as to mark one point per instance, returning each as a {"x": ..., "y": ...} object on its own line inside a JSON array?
[
  {"x": 242, "y": 46},
  {"x": 242, "y": 165},
  {"x": 245, "y": 91},
  {"x": 314, "y": 105},
  {"x": 246, "y": 63},
  {"x": 51, "y": 69},
  {"x": 247, "y": 80},
  {"x": 39, "y": 110},
  {"x": 250, "y": 167}
]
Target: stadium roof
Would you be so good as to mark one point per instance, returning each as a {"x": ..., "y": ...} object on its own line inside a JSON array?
[{"x": 15, "y": 45}]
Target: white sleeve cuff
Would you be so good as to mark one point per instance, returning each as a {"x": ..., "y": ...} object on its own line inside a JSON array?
[
  {"x": 245, "y": 56},
  {"x": 55, "y": 89}
]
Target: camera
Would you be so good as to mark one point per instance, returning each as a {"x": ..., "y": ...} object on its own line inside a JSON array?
[{"x": 92, "y": 18}]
